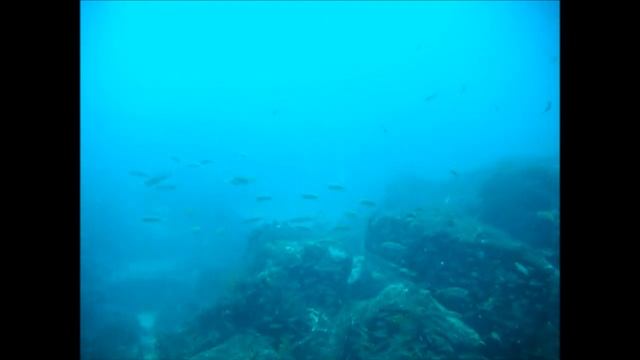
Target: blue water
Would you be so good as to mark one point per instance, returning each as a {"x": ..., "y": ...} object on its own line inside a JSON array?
[{"x": 294, "y": 96}]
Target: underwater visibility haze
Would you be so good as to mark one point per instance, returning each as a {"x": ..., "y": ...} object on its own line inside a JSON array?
[{"x": 319, "y": 180}]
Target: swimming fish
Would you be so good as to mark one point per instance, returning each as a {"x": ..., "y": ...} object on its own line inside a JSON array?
[
  {"x": 546, "y": 109},
  {"x": 240, "y": 180},
  {"x": 341, "y": 228},
  {"x": 335, "y": 187},
  {"x": 367, "y": 203},
  {"x": 193, "y": 165},
  {"x": 205, "y": 162},
  {"x": 521, "y": 268},
  {"x": 166, "y": 187},
  {"x": 453, "y": 172},
  {"x": 138, "y": 174},
  {"x": 309, "y": 196},
  {"x": 350, "y": 214},
  {"x": 252, "y": 220},
  {"x": 301, "y": 219},
  {"x": 175, "y": 158},
  {"x": 151, "y": 219},
  {"x": 263, "y": 198},
  {"x": 156, "y": 180},
  {"x": 431, "y": 97}
]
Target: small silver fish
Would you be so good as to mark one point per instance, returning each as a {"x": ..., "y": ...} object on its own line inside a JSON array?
[
  {"x": 252, "y": 220},
  {"x": 367, "y": 203},
  {"x": 240, "y": 180},
  {"x": 431, "y": 97},
  {"x": 309, "y": 196},
  {"x": 151, "y": 219},
  {"x": 301, "y": 219},
  {"x": 335, "y": 187},
  {"x": 156, "y": 180},
  {"x": 138, "y": 174},
  {"x": 263, "y": 198}
]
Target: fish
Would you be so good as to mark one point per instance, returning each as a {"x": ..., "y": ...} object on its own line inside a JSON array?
[
  {"x": 367, "y": 203},
  {"x": 301, "y": 219},
  {"x": 263, "y": 198},
  {"x": 309, "y": 196},
  {"x": 156, "y": 180},
  {"x": 205, "y": 162},
  {"x": 193, "y": 165},
  {"x": 463, "y": 89},
  {"x": 151, "y": 219},
  {"x": 275, "y": 112},
  {"x": 393, "y": 246},
  {"x": 546, "y": 109},
  {"x": 549, "y": 215},
  {"x": 240, "y": 180},
  {"x": 196, "y": 229},
  {"x": 138, "y": 174},
  {"x": 453, "y": 172},
  {"x": 252, "y": 220},
  {"x": 335, "y": 187},
  {"x": 341, "y": 228},
  {"x": 350, "y": 214},
  {"x": 431, "y": 97},
  {"x": 521, "y": 268},
  {"x": 175, "y": 159},
  {"x": 166, "y": 187}
]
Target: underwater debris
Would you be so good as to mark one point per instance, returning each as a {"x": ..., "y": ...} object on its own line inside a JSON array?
[
  {"x": 137, "y": 173},
  {"x": 151, "y": 219},
  {"x": 335, "y": 187},
  {"x": 240, "y": 180},
  {"x": 309, "y": 196},
  {"x": 548, "y": 107},
  {"x": 367, "y": 203},
  {"x": 431, "y": 97},
  {"x": 263, "y": 198},
  {"x": 156, "y": 180}
]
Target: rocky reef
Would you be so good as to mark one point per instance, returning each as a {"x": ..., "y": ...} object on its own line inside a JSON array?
[{"x": 430, "y": 285}]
